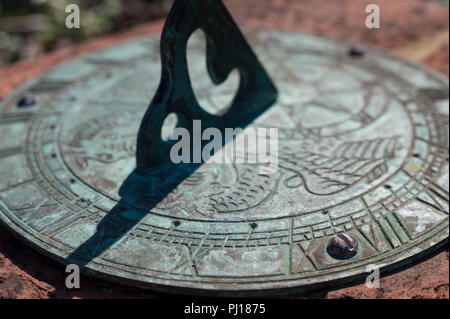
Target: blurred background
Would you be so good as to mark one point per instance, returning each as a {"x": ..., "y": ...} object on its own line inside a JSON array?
[{"x": 30, "y": 27}]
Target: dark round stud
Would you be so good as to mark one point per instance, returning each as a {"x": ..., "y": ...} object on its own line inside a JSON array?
[
  {"x": 176, "y": 223},
  {"x": 342, "y": 247},
  {"x": 357, "y": 51},
  {"x": 27, "y": 101}
]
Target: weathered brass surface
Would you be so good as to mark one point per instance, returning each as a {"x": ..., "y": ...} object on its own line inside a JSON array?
[{"x": 363, "y": 152}]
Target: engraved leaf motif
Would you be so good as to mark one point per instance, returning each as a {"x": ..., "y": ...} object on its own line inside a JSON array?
[{"x": 327, "y": 169}]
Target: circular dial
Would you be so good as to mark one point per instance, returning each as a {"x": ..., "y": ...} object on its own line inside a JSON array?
[{"x": 363, "y": 154}]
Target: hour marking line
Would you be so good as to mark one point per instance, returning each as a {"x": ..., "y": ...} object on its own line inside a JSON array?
[
  {"x": 248, "y": 236},
  {"x": 191, "y": 262},
  {"x": 167, "y": 234},
  {"x": 17, "y": 185},
  {"x": 396, "y": 228},
  {"x": 288, "y": 250},
  {"x": 377, "y": 222},
  {"x": 184, "y": 238},
  {"x": 10, "y": 152},
  {"x": 225, "y": 241},
  {"x": 436, "y": 202}
]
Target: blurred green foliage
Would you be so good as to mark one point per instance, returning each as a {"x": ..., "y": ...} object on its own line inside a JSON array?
[
  {"x": 96, "y": 20},
  {"x": 9, "y": 47},
  {"x": 28, "y": 27}
]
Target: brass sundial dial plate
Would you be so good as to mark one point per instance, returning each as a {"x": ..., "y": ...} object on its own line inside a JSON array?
[{"x": 363, "y": 151}]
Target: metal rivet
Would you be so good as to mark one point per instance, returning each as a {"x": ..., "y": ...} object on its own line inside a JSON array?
[
  {"x": 342, "y": 247},
  {"x": 27, "y": 101},
  {"x": 357, "y": 51}
]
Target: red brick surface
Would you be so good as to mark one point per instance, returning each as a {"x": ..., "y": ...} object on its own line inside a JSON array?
[{"x": 26, "y": 274}]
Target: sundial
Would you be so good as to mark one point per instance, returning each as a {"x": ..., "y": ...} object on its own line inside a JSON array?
[{"x": 362, "y": 176}]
